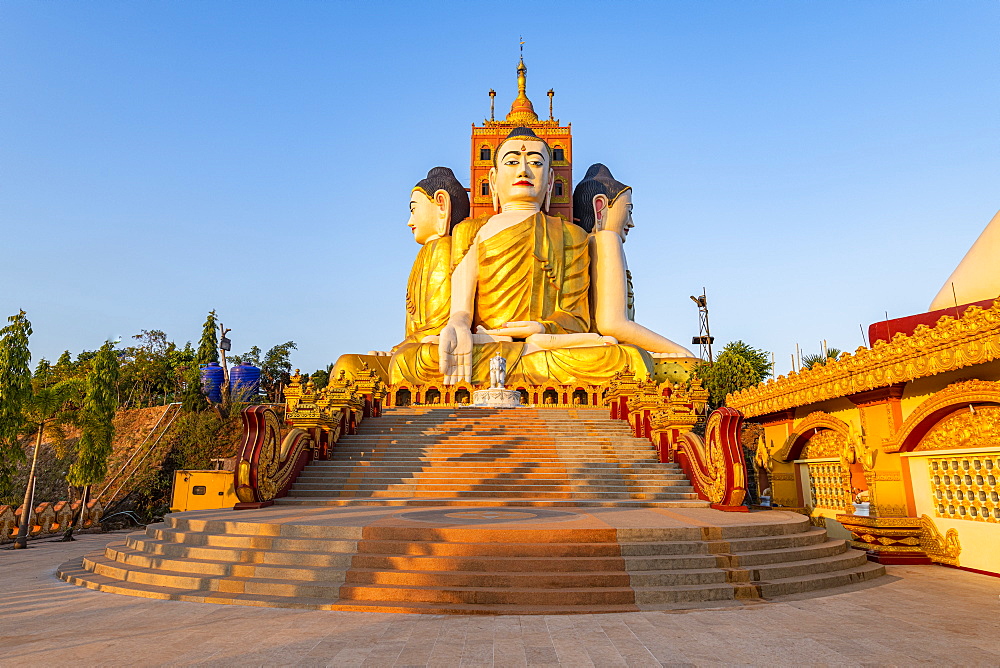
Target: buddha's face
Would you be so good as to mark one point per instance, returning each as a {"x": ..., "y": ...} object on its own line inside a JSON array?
[
  {"x": 425, "y": 217},
  {"x": 522, "y": 174},
  {"x": 619, "y": 215}
]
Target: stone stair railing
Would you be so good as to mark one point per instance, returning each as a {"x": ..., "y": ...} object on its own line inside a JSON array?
[
  {"x": 48, "y": 518},
  {"x": 268, "y": 464}
]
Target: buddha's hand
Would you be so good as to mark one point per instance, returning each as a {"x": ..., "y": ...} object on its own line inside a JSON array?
[
  {"x": 519, "y": 329},
  {"x": 455, "y": 354}
]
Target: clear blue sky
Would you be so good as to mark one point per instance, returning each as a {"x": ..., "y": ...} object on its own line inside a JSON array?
[{"x": 813, "y": 164}]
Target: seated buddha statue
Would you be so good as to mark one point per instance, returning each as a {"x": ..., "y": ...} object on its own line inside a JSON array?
[
  {"x": 602, "y": 205},
  {"x": 437, "y": 203},
  {"x": 523, "y": 278}
]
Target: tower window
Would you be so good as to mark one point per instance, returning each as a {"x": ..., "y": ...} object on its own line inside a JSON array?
[
  {"x": 485, "y": 154},
  {"x": 558, "y": 189},
  {"x": 557, "y": 154},
  {"x": 484, "y": 187}
]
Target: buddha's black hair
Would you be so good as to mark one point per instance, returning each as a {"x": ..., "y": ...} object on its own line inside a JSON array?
[
  {"x": 597, "y": 181},
  {"x": 522, "y": 133},
  {"x": 442, "y": 178}
]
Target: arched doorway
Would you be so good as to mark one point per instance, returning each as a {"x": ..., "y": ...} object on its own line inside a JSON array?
[
  {"x": 579, "y": 397},
  {"x": 462, "y": 396},
  {"x": 433, "y": 396},
  {"x": 403, "y": 397},
  {"x": 524, "y": 396},
  {"x": 550, "y": 397}
]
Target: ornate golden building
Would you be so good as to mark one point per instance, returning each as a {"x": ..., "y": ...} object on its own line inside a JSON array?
[
  {"x": 487, "y": 137},
  {"x": 897, "y": 446}
]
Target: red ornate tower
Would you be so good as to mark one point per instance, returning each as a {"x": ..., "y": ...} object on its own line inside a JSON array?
[{"x": 487, "y": 137}]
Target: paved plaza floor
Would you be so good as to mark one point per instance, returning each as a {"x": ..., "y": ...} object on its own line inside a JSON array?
[{"x": 915, "y": 615}]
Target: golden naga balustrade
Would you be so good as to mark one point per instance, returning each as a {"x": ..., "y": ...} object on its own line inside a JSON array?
[
  {"x": 268, "y": 462},
  {"x": 666, "y": 414}
]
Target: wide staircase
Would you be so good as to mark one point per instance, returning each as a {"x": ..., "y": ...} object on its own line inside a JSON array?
[
  {"x": 482, "y": 457},
  {"x": 529, "y": 511}
]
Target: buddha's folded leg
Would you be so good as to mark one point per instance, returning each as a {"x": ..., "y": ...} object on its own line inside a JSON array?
[
  {"x": 417, "y": 363},
  {"x": 591, "y": 365}
]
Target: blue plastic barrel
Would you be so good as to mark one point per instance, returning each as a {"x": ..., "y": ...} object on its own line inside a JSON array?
[
  {"x": 212, "y": 377},
  {"x": 244, "y": 383}
]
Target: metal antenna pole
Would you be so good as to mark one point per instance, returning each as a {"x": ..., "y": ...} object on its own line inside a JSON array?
[{"x": 704, "y": 339}]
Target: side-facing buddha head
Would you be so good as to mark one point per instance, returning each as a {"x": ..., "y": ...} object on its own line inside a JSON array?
[
  {"x": 600, "y": 202},
  {"x": 437, "y": 204},
  {"x": 522, "y": 176}
]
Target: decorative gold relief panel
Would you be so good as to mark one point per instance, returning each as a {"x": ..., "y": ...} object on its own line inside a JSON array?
[
  {"x": 968, "y": 428},
  {"x": 826, "y": 483},
  {"x": 964, "y": 487},
  {"x": 973, "y": 338},
  {"x": 824, "y": 445}
]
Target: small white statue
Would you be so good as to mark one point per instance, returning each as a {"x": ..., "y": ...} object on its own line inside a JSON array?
[{"x": 498, "y": 371}]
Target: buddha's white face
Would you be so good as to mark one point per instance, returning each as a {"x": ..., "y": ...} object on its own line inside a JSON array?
[
  {"x": 522, "y": 174},
  {"x": 424, "y": 217},
  {"x": 619, "y": 215}
]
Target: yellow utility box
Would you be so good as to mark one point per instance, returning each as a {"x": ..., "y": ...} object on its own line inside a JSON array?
[{"x": 202, "y": 490}]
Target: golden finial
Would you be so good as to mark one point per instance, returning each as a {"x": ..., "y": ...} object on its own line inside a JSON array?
[{"x": 521, "y": 110}]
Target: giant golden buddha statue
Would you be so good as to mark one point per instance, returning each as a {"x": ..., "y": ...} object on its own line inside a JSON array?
[
  {"x": 520, "y": 286},
  {"x": 551, "y": 296}
]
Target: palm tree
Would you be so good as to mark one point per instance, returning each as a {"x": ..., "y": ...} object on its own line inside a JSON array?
[
  {"x": 46, "y": 410},
  {"x": 811, "y": 360}
]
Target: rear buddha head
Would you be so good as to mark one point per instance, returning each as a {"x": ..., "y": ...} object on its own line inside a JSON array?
[
  {"x": 601, "y": 202},
  {"x": 437, "y": 203},
  {"x": 522, "y": 171}
]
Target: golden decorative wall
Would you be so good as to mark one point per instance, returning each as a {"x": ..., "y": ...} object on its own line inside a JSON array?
[
  {"x": 965, "y": 487},
  {"x": 950, "y": 344},
  {"x": 826, "y": 483}
]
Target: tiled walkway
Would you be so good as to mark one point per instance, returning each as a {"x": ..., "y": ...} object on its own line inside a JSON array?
[{"x": 919, "y": 614}]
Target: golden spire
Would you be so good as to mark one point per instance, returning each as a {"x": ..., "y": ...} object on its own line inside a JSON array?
[{"x": 521, "y": 110}]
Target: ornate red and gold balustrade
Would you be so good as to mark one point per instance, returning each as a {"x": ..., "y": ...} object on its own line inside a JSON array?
[
  {"x": 274, "y": 452},
  {"x": 666, "y": 414}
]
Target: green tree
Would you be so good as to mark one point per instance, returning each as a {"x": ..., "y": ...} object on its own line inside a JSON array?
[
  {"x": 97, "y": 420},
  {"x": 15, "y": 390},
  {"x": 252, "y": 356},
  {"x": 208, "y": 346},
  {"x": 759, "y": 360},
  {"x": 275, "y": 370},
  {"x": 45, "y": 411},
  {"x": 321, "y": 376},
  {"x": 44, "y": 374},
  {"x": 737, "y": 367},
  {"x": 208, "y": 351},
  {"x": 147, "y": 374},
  {"x": 64, "y": 367},
  {"x": 809, "y": 361}
]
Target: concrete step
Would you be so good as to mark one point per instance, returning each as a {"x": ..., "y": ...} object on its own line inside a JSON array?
[
  {"x": 496, "y": 475},
  {"x": 438, "y": 485},
  {"x": 497, "y": 502},
  {"x": 577, "y": 494}
]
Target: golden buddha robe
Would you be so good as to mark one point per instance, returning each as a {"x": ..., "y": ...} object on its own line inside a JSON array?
[
  {"x": 428, "y": 290},
  {"x": 537, "y": 270}
]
